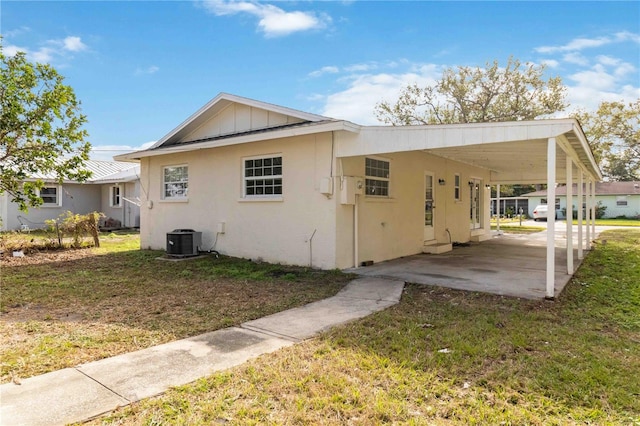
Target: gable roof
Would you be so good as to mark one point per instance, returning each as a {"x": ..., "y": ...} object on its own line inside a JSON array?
[
  {"x": 287, "y": 122},
  {"x": 602, "y": 188},
  {"x": 223, "y": 101}
]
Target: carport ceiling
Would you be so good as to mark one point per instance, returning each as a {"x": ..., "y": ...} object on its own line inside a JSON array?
[{"x": 509, "y": 162}]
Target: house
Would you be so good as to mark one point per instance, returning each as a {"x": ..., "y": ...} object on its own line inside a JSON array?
[
  {"x": 621, "y": 199},
  {"x": 263, "y": 181},
  {"x": 112, "y": 190}
]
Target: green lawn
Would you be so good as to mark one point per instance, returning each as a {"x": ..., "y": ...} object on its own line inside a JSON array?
[
  {"x": 446, "y": 357},
  {"x": 614, "y": 222},
  {"x": 62, "y": 308}
]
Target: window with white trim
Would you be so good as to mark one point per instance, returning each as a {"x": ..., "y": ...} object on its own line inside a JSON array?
[
  {"x": 175, "y": 182},
  {"x": 376, "y": 173},
  {"x": 114, "y": 196},
  {"x": 621, "y": 201},
  {"x": 50, "y": 196},
  {"x": 456, "y": 187},
  {"x": 263, "y": 176}
]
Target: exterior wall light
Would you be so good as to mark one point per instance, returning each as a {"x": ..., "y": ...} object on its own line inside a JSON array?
[{"x": 441, "y": 181}]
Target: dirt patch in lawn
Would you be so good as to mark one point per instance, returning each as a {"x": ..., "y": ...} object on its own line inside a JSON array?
[{"x": 62, "y": 308}]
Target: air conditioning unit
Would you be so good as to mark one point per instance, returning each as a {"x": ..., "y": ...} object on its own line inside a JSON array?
[{"x": 183, "y": 243}]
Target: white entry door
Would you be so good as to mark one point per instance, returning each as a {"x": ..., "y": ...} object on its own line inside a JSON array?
[
  {"x": 429, "y": 204},
  {"x": 475, "y": 203}
]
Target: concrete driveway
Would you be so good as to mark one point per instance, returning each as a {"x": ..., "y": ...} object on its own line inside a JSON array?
[{"x": 508, "y": 264}]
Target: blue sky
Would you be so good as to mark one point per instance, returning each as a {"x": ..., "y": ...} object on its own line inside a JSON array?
[{"x": 141, "y": 67}]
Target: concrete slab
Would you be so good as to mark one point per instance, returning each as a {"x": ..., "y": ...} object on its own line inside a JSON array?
[
  {"x": 151, "y": 371},
  {"x": 57, "y": 398},
  {"x": 506, "y": 265},
  {"x": 358, "y": 299}
]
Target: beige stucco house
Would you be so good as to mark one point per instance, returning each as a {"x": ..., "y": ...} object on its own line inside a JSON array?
[{"x": 263, "y": 181}]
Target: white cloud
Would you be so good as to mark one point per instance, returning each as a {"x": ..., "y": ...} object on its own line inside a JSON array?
[
  {"x": 52, "y": 50},
  {"x": 576, "y": 58},
  {"x": 550, "y": 63},
  {"x": 149, "y": 70},
  {"x": 356, "y": 103},
  {"x": 581, "y": 43},
  {"x": 74, "y": 44},
  {"x": 106, "y": 152},
  {"x": 324, "y": 70},
  {"x": 607, "y": 60},
  {"x": 273, "y": 21},
  {"x": 361, "y": 67},
  {"x": 18, "y": 31}
]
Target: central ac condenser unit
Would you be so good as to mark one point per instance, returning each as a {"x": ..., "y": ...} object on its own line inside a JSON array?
[{"x": 183, "y": 243}]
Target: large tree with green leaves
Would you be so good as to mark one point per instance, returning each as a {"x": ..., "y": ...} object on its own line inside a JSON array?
[
  {"x": 474, "y": 95},
  {"x": 613, "y": 132},
  {"x": 41, "y": 129}
]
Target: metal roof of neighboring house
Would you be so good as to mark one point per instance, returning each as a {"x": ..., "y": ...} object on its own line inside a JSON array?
[
  {"x": 100, "y": 170},
  {"x": 602, "y": 188},
  {"x": 127, "y": 175}
]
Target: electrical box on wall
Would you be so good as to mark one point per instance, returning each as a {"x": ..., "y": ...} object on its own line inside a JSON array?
[
  {"x": 326, "y": 186},
  {"x": 351, "y": 186}
]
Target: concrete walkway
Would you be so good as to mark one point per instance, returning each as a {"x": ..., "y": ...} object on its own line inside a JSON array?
[{"x": 89, "y": 390}]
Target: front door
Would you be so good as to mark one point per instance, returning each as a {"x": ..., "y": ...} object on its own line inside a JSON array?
[
  {"x": 475, "y": 202},
  {"x": 429, "y": 205}
]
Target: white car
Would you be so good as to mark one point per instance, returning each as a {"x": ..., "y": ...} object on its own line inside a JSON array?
[{"x": 541, "y": 212}]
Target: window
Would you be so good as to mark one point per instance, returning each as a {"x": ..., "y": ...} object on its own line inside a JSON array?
[
  {"x": 175, "y": 182},
  {"x": 456, "y": 187},
  {"x": 376, "y": 177},
  {"x": 114, "y": 196},
  {"x": 50, "y": 196},
  {"x": 621, "y": 200},
  {"x": 263, "y": 176}
]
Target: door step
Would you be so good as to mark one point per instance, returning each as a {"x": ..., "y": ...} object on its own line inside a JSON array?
[{"x": 436, "y": 248}]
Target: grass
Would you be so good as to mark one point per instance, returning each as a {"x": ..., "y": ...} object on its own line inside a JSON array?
[
  {"x": 66, "y": 307},
  {"x": 613, "y": 222},
  {"x": 517, "y": 229},
  {"x": 446, "y": 357}
]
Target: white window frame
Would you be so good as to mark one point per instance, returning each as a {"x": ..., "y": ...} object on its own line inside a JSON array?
[
  {"x": 176, "y": 196},
  {"x": 114, "y": 193},
  {"x": 457, "y": 193},
  {"x": 622, "y": 201},
  {"x": 253, "y": 174},
  {"x": 371, "y": 180},
  {"x": 58, "y": 200}
]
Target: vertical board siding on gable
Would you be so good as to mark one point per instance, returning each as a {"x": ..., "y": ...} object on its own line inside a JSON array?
[{"x": 238, "y": 118}]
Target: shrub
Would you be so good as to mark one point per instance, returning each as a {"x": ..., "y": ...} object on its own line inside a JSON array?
[{"x": 77, "y": 226}]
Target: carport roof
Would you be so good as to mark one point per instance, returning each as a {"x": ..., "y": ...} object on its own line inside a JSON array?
[{"x": 514, "y": 152}]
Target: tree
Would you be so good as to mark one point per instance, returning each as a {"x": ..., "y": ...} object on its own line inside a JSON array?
[
  {"x": 475, "y": 95},
  {"x": 41, "y": 130},
  {"x": 613, "y": 131}
]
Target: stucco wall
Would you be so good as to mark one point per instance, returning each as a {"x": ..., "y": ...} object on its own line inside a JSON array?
[
  {"x": 394, "y": 227},
  {"x": 275, "y": 231},
  {"x": 77, "y": 198},
  {"x": 128, "y": 214}
]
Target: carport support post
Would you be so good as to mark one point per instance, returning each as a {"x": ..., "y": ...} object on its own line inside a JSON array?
[
  {"x": 580, "y": 216},
  {"x": 569, "y": 215},
  {"x": 593, "y": 206},
  {"x": 587, "y": 203},
  {"x": 498, "y": 208},
  {"x": 551, "y": 224}
]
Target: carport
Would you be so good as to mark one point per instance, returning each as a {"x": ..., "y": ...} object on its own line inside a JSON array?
[
  {"x": 508, "y": 265},
  {"x": 528, "y": 152}
]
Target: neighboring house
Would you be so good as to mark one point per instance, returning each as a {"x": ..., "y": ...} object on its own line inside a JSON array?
[
  {"x": 619, "y": 198},
  {"x": 266, "y": 182},
  {"x": 107, "y": 191}
]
